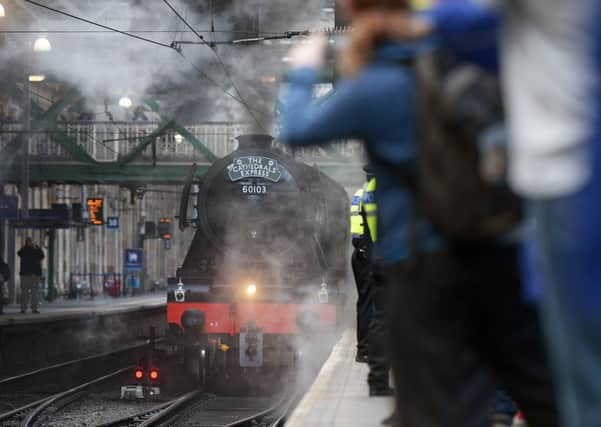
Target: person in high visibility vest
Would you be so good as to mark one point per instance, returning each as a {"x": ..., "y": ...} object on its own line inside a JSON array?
[
  {"x": 361, "y": 265},
  {"x": 378, "y": 360}
]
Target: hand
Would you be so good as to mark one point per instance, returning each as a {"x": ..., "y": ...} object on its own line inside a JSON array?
[{"x": 310, "y": 54}]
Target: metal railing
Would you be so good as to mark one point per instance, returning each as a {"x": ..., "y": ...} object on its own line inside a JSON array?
[{"x": 108, "y": 141}]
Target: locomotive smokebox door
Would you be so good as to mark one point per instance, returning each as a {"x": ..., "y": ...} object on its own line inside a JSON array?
[{"x": 251, "y": 346}]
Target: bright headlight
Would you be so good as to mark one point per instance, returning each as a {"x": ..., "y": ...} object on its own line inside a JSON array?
[{"x": 251, "y": 289}]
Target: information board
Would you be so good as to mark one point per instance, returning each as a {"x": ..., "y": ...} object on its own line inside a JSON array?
[{"x": 96, "y": 210}]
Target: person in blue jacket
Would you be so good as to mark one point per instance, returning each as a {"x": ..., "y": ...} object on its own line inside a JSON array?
[
  {"x": 457, "y": 318},
  {"x": 357, "y": 110},
  {"x": 551, "y": 68}
]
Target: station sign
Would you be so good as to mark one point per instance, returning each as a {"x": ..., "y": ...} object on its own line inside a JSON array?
[
  {"x": 133, "y": 260},
  {"x": 96, "y": 210},
  {"x": 9, "y": 207},
  {"x": 112, "y": 222},
  {"x": 254, "y": 167},
  {"x": 56, "y": 217}
]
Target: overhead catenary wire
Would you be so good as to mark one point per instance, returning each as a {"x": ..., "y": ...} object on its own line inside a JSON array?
[
  {"x": 223, "y": 66},
  {"x": 106, "y": 27},
  {"x": 140, "y": 31},
  {"x": 172, "y": 46},
  {"x": 196, "y": 33}
]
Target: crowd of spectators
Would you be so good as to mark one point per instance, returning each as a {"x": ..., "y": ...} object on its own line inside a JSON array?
[{"x": 464, "y": 318}]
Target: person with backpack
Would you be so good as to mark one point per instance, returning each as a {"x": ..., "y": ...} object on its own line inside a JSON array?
[
  {"x": 457, "y": 319},
  {"x": 4, "y": 278},
  {"x": 551, "y": 68}
]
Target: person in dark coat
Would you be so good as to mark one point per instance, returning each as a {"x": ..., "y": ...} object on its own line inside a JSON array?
[
  {"x": 31, "y": 270},
  {"x": 4, "y": 277}
]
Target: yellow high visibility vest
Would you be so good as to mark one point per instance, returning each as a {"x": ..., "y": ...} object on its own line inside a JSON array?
[
  {"x": 370, "y": 208},
  {"x": 420, "y": 5},
  {"x": 357, "y": 228}
]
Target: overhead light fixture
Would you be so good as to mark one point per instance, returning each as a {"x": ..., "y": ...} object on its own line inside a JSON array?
[
  {"x": 178, "y": 138},
  {"x": 125, "y": 102},
  {"x": 42, "y": 44},
  {"x": 2, "y": 13},
  {"x": 36, "y": 78}
]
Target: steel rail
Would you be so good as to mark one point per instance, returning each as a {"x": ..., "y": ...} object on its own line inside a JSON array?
[
  {"x": 38, "y": 411},
  {"x": 281, "y": 406},
  {"x": 68, "y": 363},
  {"x": 138, "y": 417},
  {"x": 171, "y": 410}
]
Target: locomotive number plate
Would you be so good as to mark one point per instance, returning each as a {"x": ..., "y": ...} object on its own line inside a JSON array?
[{"x": 254, "y": 189}]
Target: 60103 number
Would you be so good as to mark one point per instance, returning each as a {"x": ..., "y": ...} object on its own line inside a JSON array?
[{"x": 254, "y": 189}]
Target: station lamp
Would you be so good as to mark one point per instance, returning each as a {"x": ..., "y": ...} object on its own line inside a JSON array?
[
  {"x": 36, "y": 78},
  {"x": 42, "y": 44},
  {"x": 178, "y": 138},
  {"x": 125, "y": 102}
]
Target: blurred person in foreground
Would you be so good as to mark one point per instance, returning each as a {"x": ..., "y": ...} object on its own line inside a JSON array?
[
  {"x": 550, "y": 56},
  {"x": 460, "y": 327},
  {"x": 31, "y": 270}
]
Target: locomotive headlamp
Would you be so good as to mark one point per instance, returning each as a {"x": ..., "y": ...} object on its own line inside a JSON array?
[
  {"x": 180, "y": 293},
  {"x": 251, "y": 289}
]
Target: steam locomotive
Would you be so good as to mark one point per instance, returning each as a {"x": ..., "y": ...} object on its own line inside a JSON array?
[{"x": 267, "y": 264}]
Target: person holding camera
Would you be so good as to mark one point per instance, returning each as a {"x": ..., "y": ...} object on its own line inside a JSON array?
[{"x": 31, "y": 270}]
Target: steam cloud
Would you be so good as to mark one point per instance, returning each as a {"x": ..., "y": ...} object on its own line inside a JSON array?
[{"x": 105, "y": 66}]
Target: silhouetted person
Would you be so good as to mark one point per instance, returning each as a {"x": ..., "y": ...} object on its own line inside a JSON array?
[{"x": 31, "y": 270}]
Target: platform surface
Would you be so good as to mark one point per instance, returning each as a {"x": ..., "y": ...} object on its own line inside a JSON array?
[
  {"x": 81, "y": 308},
  {"x": 339, "y": 396}
]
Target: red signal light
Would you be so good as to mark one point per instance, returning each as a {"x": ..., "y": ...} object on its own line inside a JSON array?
[
  {"x": 154, "y": 374},
  {"x": 139, "y": 373}
]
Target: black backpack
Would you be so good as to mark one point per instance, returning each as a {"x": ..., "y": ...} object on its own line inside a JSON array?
[{"x": 454, "y": 107}]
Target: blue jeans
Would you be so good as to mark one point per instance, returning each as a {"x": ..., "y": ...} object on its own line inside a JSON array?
[{"x": 567, "y": 251}]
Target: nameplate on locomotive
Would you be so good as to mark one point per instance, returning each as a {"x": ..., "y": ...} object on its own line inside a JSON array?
[{"x": 254, "y": 167}]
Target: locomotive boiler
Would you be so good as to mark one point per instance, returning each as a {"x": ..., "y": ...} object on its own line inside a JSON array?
[{"x": 267, "y": 264}]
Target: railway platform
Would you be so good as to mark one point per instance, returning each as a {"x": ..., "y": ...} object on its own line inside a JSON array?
[
  {"x": 80, "y": 308},
  {"x": 339, "y": 395},
  {"x": 70, "y": 329}
]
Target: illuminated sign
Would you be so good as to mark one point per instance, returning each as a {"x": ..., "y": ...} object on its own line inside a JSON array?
[
  {"x": 133, "y": 260},
  {"x": 254, "y": 167},
  {"x": 96, "y": 211}
]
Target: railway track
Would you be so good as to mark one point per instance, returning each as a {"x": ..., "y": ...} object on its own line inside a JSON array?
[
  {"x": 204, "y": 410},
  {"x": 34, "y": 413},
  {"x": 26, "y": 397}
]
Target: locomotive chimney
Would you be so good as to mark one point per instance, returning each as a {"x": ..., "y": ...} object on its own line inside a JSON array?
[{"x": 254, "y": 140}]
